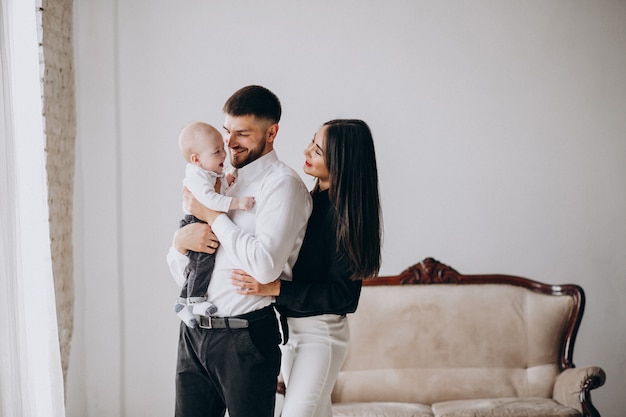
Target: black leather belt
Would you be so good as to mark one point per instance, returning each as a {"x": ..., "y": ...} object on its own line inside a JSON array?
[{"x": 222, "y": 323}]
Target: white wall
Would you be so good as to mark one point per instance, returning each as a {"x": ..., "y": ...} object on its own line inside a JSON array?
[{"x": 501, "y": 140}]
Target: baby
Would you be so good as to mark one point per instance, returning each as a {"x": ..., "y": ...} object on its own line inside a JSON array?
[{"x": 202, "y": 147}]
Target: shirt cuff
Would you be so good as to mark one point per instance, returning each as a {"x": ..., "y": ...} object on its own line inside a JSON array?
[
  {"x": 222, "y": 225},
  {"x": 177, "y": 263},
  {"x": 285, "y": 291}
]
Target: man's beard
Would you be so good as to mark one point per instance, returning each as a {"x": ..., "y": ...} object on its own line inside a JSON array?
[{"x": 252, "y": 155}]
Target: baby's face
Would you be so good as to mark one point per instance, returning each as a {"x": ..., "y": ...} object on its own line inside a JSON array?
[{"x": 212, "y": 154}]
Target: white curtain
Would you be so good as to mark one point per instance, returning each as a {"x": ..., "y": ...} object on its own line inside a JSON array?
[{"x": 31, "y": 381}]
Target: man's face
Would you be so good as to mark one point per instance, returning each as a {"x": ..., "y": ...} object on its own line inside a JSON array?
[{"x": 248, "y": 138}]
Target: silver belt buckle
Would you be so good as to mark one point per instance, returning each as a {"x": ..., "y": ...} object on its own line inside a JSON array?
[{"x": 205, "y": 322}]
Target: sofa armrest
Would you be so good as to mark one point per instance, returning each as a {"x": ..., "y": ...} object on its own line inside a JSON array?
[{"x": 572, "y": 388}]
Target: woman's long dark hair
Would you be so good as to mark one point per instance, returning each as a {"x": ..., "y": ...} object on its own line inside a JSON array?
[{"x": 353, "y": 191}]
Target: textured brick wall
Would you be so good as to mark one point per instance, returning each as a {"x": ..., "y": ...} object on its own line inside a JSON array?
[{"x": 57, "y": 71}]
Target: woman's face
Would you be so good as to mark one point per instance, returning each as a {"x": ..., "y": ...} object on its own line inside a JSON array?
[{"x": 315, "y": 162}]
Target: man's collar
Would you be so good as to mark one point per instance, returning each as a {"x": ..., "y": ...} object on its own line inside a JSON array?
[{"x": 257, "y": 166}]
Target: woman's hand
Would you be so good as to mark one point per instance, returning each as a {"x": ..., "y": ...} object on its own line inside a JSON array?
[
  {"x": 198, "y": 209},
  {"x": 247, "y": 285},
  {"x": 197, "y": 237}
]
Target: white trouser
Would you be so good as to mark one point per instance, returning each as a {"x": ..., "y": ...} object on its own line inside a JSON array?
[{"x": 311, "y": 361}]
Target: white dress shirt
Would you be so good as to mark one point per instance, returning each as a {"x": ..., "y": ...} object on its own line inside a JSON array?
[
  {"x": 201, "y": 183},
  {"x": 264, "y": 241}
]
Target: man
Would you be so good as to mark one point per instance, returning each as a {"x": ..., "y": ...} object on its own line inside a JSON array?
[{"x": 232, "y": 360}]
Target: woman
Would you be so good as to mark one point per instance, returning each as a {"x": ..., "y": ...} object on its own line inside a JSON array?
[{"x": 341, "y": 247}]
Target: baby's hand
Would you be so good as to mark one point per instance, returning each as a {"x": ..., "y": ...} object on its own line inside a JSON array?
[
  {"x": 242, "y": 203},
  {"x": 230, "y": 178}
]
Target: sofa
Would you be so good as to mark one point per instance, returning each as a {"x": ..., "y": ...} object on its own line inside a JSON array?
[{"x": 432, "y": 342}]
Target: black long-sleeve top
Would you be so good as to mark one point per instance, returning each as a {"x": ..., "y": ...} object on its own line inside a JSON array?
[{"x": 321, "y": 279}]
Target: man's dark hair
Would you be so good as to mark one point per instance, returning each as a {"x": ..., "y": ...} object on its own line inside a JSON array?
[{"x": 254, "y": 100}]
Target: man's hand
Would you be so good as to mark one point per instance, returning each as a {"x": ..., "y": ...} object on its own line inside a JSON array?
[{"x": 197, "y": 237}]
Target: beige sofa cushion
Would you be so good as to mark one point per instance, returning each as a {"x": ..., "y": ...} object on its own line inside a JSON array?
[
  {"x": 434, "y": 343},
  {"x": 503, "y": 407},
  {"x": 381, "y": 410}
]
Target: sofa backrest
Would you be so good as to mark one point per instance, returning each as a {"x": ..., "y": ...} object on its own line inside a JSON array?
[{"x": 432, "y": 334}]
